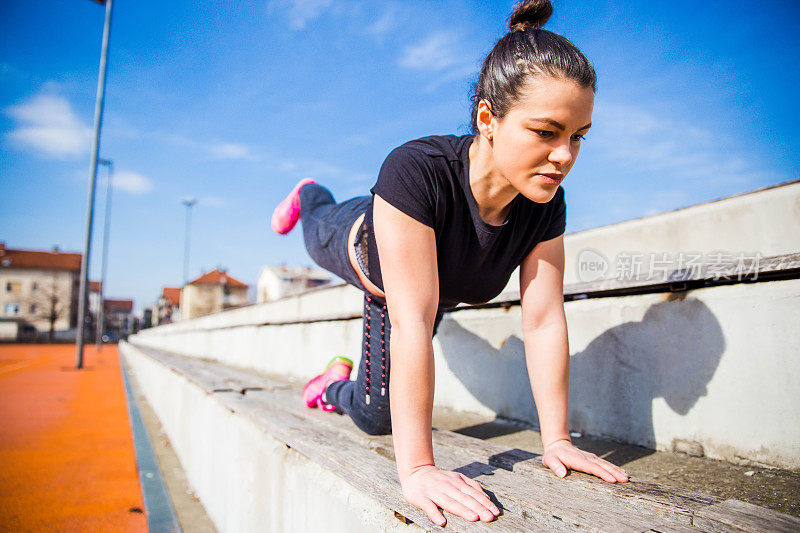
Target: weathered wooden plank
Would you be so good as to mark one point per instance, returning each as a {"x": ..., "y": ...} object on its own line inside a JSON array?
[
  {"x": 211, "y": 376},
  {"x": 735, "y": 515},
  {"x": 550, "y": 505},
  {"x": 530, "y": 495},
  {"x": 661, "y": 528},
  {"x": 541, "y": 495},
  {"x": 370, "y": 472},
  {"x": 569, "y": 502},
  {"x": 362, "y": 468},
  {"x": 520, "y": 461}
]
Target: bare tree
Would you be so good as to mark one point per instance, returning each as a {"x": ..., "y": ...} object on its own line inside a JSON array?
[{"x": 48, "y": 303}]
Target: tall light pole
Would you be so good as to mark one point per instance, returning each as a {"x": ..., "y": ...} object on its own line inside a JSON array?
[
  {"x": 189, "y": 203},
  {"x": 98, "y": 120},
  {"x": 106, "y": 225}
]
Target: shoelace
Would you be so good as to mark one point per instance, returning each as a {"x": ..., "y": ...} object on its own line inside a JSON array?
[{"x": 367, "y": 339}]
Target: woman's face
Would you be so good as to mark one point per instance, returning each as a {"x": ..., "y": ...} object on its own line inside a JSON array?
[{"x": 536, "y": 143}]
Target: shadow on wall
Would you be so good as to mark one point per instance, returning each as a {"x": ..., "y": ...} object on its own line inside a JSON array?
[{"x": 671, "y": 353}]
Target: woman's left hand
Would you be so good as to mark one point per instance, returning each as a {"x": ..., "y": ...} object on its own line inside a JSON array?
[{"x": 562, "y": 454}]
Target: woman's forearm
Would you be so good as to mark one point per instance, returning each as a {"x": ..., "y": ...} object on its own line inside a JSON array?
[
  {"x": 547, "y": 357},
  {"x": 411, "y": 384}
]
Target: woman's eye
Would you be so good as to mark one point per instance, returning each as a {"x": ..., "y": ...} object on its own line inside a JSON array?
[
  {"x": 578, "y": 138},
  {"x": 543, "y": 133}
]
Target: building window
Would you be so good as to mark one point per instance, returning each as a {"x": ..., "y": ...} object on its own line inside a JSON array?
[
  {"x": 13, "y": 286},
  {"x": 12, "y": 309},
  {"x": 34, "y": 286},
  {"x": 33, "y": 308}
]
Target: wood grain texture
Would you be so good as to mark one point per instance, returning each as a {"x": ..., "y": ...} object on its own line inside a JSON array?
[{"x": 530, "y": 496}]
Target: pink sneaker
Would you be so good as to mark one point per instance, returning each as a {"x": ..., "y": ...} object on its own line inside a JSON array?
[
  {"x": 314, "y": 390},
  {"x": 286, "y": 215}
]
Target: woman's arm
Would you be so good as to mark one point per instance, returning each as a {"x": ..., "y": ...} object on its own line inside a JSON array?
[
  {"x": 544, "y": 328},
  {"x": 407, "y": 250}
]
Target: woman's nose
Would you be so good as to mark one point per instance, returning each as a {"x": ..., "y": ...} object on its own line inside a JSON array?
[{"x": 560, "y": 155}]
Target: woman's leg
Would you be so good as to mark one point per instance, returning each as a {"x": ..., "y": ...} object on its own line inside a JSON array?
[
  {"x": 366, "y": 399},
  {"x": 326, "y": 227}
]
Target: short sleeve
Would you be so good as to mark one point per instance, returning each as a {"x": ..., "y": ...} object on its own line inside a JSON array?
[
  {"x": 406, "y": 182},
  {"x": 558, "y": 219}
]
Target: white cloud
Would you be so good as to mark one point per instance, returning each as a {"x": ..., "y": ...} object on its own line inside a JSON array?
[
  {"x": 285, "y": 166},
  {"x": 48, "y": 124},
  {"x": 442, "y": 53},
  {"x": 677, "y": 148},
  {"x": 212, "y": 201},
  {"x": 218, "y": 149},
  {"x": 231, "y": 151},
  {"x": 304, "y": 168},
  {"x": 132, "y": 182},
  {"x": 435, "y": 52},
  {"x": 300, "y": 12},
  {"x": 386, "y": 22}
]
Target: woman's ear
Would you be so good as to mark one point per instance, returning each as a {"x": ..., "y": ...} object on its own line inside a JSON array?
[{"x": 486, "y": 120}]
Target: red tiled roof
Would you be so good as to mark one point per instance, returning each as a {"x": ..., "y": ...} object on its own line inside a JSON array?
[
  {"x": 172, "y": 295},
  {"x": 217, "y": 277},
  {"x": 53, "y": 260},
  {"x": 118, "y": 305}
]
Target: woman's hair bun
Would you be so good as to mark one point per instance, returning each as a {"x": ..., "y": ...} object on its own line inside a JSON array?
[{"x": 530, "y": 14}]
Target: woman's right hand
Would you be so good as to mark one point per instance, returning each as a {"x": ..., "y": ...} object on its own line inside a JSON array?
[{"x": 429, "y": 488}]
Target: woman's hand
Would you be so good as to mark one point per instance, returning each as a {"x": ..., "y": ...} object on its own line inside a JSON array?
[
  {"x": 429, "y": 488},
  {"x": 562, "y": 454}
]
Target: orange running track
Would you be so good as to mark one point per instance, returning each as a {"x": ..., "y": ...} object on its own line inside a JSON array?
[{"x": 67, "y": 461}]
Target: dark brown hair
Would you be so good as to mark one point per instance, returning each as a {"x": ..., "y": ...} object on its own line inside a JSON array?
[{"x": 527, "y": 50}]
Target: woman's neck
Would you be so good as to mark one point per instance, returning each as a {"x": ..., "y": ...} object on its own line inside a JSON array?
[{"x": 492, "y": 192}]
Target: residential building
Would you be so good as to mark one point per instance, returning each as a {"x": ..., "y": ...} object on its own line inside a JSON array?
[
  {"x": 40, "y": 288},
  {"x": 212, "y": 292},
  {"x": 276, "y": 282},
  {"x": 147, "y": 319},
  {"x": 168, "y": 306},
  {"x": 95, "y": 294},
  {"x": 118, "y": 318}
]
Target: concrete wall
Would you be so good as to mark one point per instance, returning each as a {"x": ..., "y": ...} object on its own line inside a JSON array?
[
  {"x": 765, "y": 221},
  {"x": 743, "y": 224},
  {"x": 715, "y": 366},
  {"x": 247, "y": 480}
]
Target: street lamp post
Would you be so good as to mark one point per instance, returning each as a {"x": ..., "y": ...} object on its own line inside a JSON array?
[
  {"x": 106, "y": 225},
  {"x": 98, "y": 120},
  {"x": 189, "y": 203}
]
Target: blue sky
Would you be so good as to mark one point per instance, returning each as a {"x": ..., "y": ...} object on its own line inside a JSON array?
[{"x": 233, "y": 102}]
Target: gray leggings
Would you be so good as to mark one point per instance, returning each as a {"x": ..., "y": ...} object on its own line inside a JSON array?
[{"x": 326, "y": 228}]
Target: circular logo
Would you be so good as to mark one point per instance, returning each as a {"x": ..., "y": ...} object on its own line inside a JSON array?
[{"x": 592, "y": 265}]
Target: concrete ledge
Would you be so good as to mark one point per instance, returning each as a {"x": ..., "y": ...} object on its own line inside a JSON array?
[
  {"x": 237, "y": 433},
  {"x": 763, "y": 221},
  {"x": 710, "y": 367},
  {"x": 311, "y": 306},
  {"x": 246, "y": 479}
]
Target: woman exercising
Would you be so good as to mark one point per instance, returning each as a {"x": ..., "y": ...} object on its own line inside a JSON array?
[{"x": 448, "y": 221}]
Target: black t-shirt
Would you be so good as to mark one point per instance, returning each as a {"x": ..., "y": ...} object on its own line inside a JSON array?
[{"x": 428, "y": 179}]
